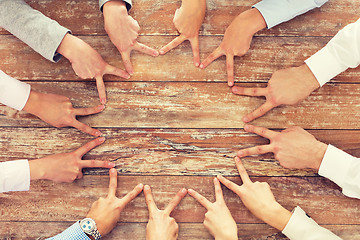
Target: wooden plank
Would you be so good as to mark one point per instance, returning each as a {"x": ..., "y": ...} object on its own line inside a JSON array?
[
  {"x": 164, "y": 151},
  {"x": 33, "y": 230},
  {"x": 46, "y": 201},
  {"x": 155, "y": 17},
  {"x": 196, "y": 105},
  {"x": 266, "y": 56}
]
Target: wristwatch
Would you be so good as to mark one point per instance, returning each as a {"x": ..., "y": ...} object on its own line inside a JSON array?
[{"x": 88, "y": 225}]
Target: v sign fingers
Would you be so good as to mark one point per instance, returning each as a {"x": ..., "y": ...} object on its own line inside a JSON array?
[
  {"x": 130, "y": 196},
  {"x": 112, "y": 183},
  {"x": 149, "y": 200},
  {"x": 262, "y": 110},
  {"x": 175, "y": 201}
]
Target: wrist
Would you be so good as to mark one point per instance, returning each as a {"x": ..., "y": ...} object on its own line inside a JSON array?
[
  {"x": 120, "y": 7},
  {"x": 69, "y": 47},
  {"x": 255, "y": 21},
  {"x": 320, "y": 149},
  {"x": 37, "y": 169},
  {"x": 33, "y": 103},
  {"x": 310, "y": 80},
  {"x": 277, "y": 216}
]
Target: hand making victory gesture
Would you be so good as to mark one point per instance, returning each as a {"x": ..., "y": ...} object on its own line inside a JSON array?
[
  {"x": 123, "y": 31},
  {"x": 106, "y": 211},
  {"x": 161, "y": 226},
  {"x": 287, "y": 86},
  {"x": 188, "y": 20},
  {"x": 218, "y": 220},
  {"x": 237, "y": 40},
  {"x": 58, "y": 111},
  {"x": 293, "y": 147}
]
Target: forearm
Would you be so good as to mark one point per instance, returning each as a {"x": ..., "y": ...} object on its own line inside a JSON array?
[
  {"x": 279, "y": 11},
  {"x": 32, "y": 27},
  {"x": 276, "y": 216}
]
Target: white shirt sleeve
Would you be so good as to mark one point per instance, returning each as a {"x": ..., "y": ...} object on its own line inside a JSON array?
[
  {"x": 278, "y": 11},
  {"x": 14, "y": 176},
  {"x": 13, "y": 93},
  {"x": 302, "y": 227},
  {"x": 342, "y": 52},
  {"x": 343, "y": 169}
]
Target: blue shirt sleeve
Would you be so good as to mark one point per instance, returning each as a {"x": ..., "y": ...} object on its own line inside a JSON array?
[
  {"x": 72, "y": 233},
  {"x": 278, "y": 11}
]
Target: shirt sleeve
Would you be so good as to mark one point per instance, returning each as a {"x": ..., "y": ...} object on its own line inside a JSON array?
[
  {"x": 278, "y": 11},
  {"x": 342, "y": 52},
  {"x": 302, "y": 227},
  {"x": 14, "y": 176},
  {"x": 13, "y": 93},
  {"x": 32, "y": 27},
  {"x": 74, "y": 232},
  {"x": 343, "y": 169},
  {"x": 128, "y": 4}
]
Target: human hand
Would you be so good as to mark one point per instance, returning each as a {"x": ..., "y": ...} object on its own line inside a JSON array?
[
  {"x": 258, "y": 198},
  {"x": 218, "y": 220},
  {"x": 287, "y": 86},
  {"x": 123, "y": 31},
  {"x": 66, "y": 167},
  {"x": 188, "y": 20},
  {"x": 293, "y": 147},
  {"x": 106, "y": 211},
  {"x": 87, "y": 63},
  {"x": 161, "y": 226},
  {"x": 58, "y": 111},
  {"x": 237, "y": 40}
]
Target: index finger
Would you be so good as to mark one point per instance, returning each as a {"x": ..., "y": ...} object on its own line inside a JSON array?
[
  {"x": 195, "y": 49},
  {"x": 214, "y": 55},
  {"x": 201, "y": 199},
  {"x": 253, "y": 92},
  {"x": 130, "y": 195},
  {"x": 267, "y": 106},
  {"x": 112, "y": 182},
  {"x": 230, "y": 69},
  {"x": 173, "y": 44},
  {"x": 145, "y": 49},
  {"x": 261, "y": 131},
  {"x": 101, "y": 88},
  {"x": 218, "y": 191},
  {"x": 242, "y": 171},
  {"x": 116, "y": 71},
  {"x": 229, "y": 184},
  {"x": 127, "y": 62},
  {"x": 149, "y": 200},
  {"x": 88, "y": 111},
  {"x": 85, "y": 128},
  {"x": 88, "y": 146},
  {"x": 175, "y": 201}
]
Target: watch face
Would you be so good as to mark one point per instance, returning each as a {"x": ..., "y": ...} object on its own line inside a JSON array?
[{"x": 87, "y": 225}]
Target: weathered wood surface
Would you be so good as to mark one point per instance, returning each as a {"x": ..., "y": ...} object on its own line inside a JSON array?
[
  {"x": 196, "y": 105},
  {"x": 155, "y": 17},
  {"x": 188, "y": 231},
  {"x": 46, "y": 202},
  {"x": 265, "y": 56},
  {"x": 205, "y": 152}
]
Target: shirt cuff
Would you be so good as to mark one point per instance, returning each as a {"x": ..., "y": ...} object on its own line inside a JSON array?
[
  {"x": 13, "y": 93},
  {"x": 128, "y": 4},
  {"x": 16, "y": 176},
  {"x": 336, "y": 165},
  {"x": 73, "y": 232},
  {"x": 324, "y": 66}
]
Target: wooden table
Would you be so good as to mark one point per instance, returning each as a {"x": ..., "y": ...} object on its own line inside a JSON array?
[{"x": 173, "y": 125}]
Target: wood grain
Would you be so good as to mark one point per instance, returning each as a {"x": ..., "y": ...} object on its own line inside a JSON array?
[
  {"x": 196, "y": 105},
  {"x": 46, "y": 200},
  {"x": 206, "y": 152},
  {"x": 155, "y": 17},
  {"x": 188, "y": 231},
  {"x": 266, "y": 56}
]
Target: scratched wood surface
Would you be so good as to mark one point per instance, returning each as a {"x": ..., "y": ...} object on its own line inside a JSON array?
[{"x": 172, "y": 125}]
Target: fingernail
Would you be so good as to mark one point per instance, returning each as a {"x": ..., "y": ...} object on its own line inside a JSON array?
[
  {"x": 190, "y": 190},
  {"x": 140, "y": 185},
  {"x": 245, "y": 119},
  {"x": 237, "y": 159},
  {"x": 161, "y": 52},
  {"x": 240, "y": 154},
  {"x": 103, "y": 100},
  {"x": 219, "y": 176},
  {"x": 102, "y": 139},
  {"x": 156, "y": 53},
  {"x": 197, "y": 64},
  {"x": 101, "y": 107},
  {"x": 98, "y": 134},
  {"x": 147, "y": 187},
  {"x": 111, "y": 164},
  {"x": 113, "y": 170},
  {"x": 246, "y": 127},
  {"x": 201, "y": 66},
  {"x": 183, "y": 190}
]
